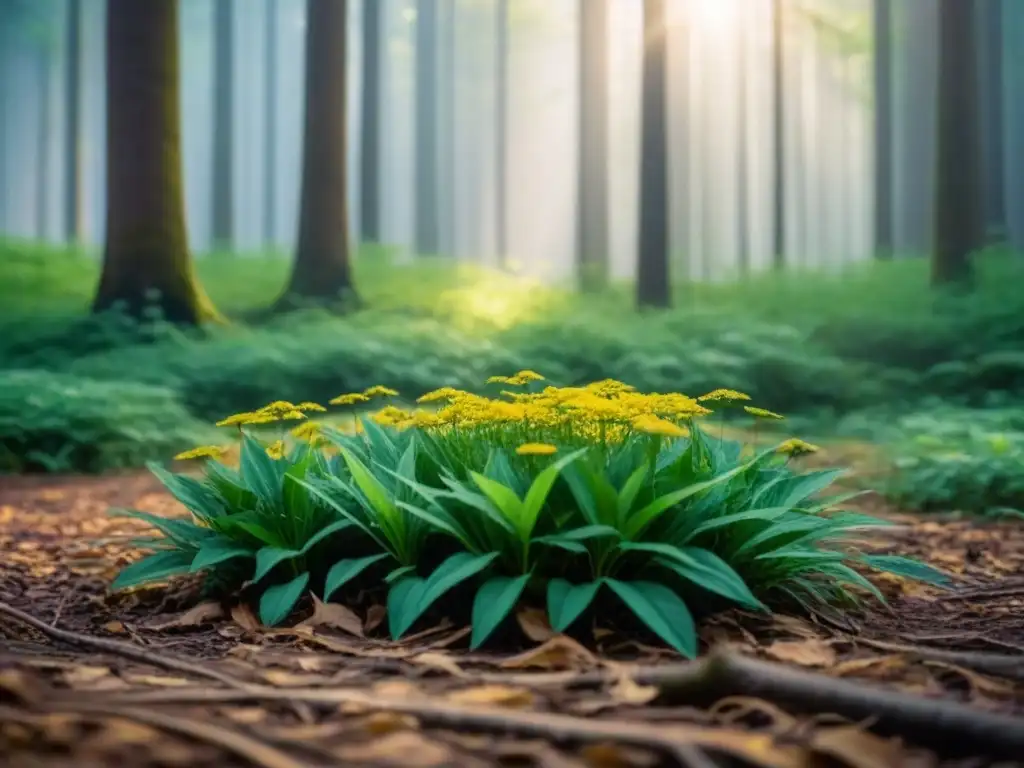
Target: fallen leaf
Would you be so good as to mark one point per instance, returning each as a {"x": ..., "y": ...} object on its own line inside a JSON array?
[
  {"x": 115, "y": 628},
  {"x": 157, "y": 681},
  {"x": 627, "y": 691},
  {"x": 85, "y": 674},
  {"x": 494, "y": 695},
  {"x": 609, "y": 755},
  {"x": 282, "y": 679},
  {"x": 397, "y": 689},
  {"x": 857, "y": 748},
  {"x": 245, "y": 715},
  {"x": 375, "y": 615},
  {"x": 808, "y": 653},
  {"x": 979, "y": 684},
  {"x": 194, "y": 617},
  {"x": 380, "y": 723},
  {"x": 243, "y": 616},
  {"x": 18, "y": 685},
  {"x": 875, "y": 664},
  {"x": 406, "y": 749},
  {"x": 334, "y": 615},
  {"x": 534, "y": 623},
  {"x": 440, "y": 661},
  {"x": 120, "y": 732},
  {"x": 560, "y": 652}
]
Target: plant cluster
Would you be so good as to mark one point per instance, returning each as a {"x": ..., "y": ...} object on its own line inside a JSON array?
[{"x": 572, "y": 497}]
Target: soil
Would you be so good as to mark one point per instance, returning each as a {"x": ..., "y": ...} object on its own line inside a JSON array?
[{"x": 156, "y": 677}]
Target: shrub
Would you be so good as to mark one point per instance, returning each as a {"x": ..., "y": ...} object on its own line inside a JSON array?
[
  {"x": 573, "y": 496},
  {"x": 57, "y": 423}
]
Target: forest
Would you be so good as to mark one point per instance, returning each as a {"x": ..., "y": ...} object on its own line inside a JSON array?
[{"x": 511, "y": 382}]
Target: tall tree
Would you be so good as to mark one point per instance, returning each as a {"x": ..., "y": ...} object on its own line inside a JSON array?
[
  {"x": 370, "y": 123},
  {"x": 146, "y": 260},
  {"x": 428, "y": 203},
  {"x": 322, "y": 272},
  {"x": 958, "y": 187},
  {"x": 742, "y": 153},
  {"x": 990, "y": 85},
  {"x": 883, "y": 206},
  {"x": 222, "y": 193},
  {"x": 45, "y": 59},
  {"x": 592, "y": 131},
  {"x": 270, "y": 44},
  {"x": 72, "y": 127},
  {"x": 652, "y": 287},
  {"x": 501, "y": 51},
  {"x": 779, "y": 244}
]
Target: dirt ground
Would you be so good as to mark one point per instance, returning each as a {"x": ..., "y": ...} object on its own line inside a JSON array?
[{"x": 157, "y": 678}]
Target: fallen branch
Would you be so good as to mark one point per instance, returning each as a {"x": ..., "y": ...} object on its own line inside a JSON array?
[
  {"x": 1006, "y": 665},
  {"x": 125, "y": 650}
]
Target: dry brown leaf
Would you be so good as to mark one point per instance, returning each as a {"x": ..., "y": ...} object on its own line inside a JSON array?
[
  {"x": 83, "y": 675},
  {"x": 437, "y": 660},
  {"x": 534, "y": 623},
  {"x": 375, "y": 615},
  {"x": 808, "y": 653},
  {"x": 380, "y": 723},
  {"x": 157, "y": 681},
  {"x": 115, "y": 628},
  {"x": 405, "y": 749},
  {"x": 245, "y": 715},
  {"x": 494, "y": 695},
  {"x": 560, "y": 652},
  {"x": 627, "y": 691},
  {"x": 877, "y": 665},
  {"x": 979, "y": 684},
  {"x": 119, "y": 732},
  {"x": 194, "y": 617},
  {"x": 792, "y": 625},
  {"x": 243, "y": 616},
  {"x": 283, "y": 679},
  {"x": 19, "y": 686},
  {"x": 334, "y": 615},
  {"x": 609, "y": 755},
  {"x": 397, "y": 689},
  {"x": 857, "y": 748}
]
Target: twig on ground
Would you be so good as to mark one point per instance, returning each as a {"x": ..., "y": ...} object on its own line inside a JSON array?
[
  {"x": 1006, "y": 665},
  {"x": 125, "y": 650}
]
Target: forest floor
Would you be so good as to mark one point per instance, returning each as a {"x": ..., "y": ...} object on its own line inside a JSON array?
[{"x": 153, "y": 678}]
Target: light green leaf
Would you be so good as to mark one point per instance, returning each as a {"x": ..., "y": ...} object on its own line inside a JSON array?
[
  {"x": 661, "y": 610},
  {"x": 216, "y": 551},
  {"x": 538, "y": 494},
  {"x": 155, "y": 567},
  {"x": 628, "y": 494},
  {"x": 277, "y": 602},
  {"x": 494, "y": 600},
  {"x": 905, "y": 566},
  {"x": 343, "y": 571},
  {"x": 371, "y": 487},
  {"x": 714, "y": 523},
  {"x": 502, "y": 497},
  {"x": 566, "y": 601}
]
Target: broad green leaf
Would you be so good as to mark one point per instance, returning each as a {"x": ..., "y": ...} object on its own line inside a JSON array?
[
  {"x": 905, "y": 566},
  {"x": 216, "y": 551},
  {"x": 537, "y": 496},
  {"x": 184, "y": 533},
  {"x": 403, "y": 605},
  {"x": 566, "y": 601},
  {"x": 343, "y": 571},
  {"x": 156, "y": 567},
  {"x": 441, "y": 521},
  {"x": 371, "y": 487},
  {"x": 639, "y": 521},
  {"x": 628, "y": 494},
  {"x": 661, "y": 610},
  {"x": 479, "y": 502},
  {"x": 584, "y": 533},
  {"x": 714, "y": 523},
  {"x": 298, "y": 502},
  {"x": 494, "y": 600},
  {"x": 455, "y": 570},
  {"x": 705, "y": 569},
  {"x": 381, "y": 442},
  {"x": 555, "y": 540},
  {"x": 268, "y": 557},
  {"x": 277, "y": 602},
  {"x": 260, "y": 532},
  {"x": 259, "y": 471},
  {"x": 197, "y": 498},
  {"x": 398, "y": 573},
  {"x": 322, "y": 490},
  {"x": 502, "y": 497},
  {"x": 790, "y": 529}
]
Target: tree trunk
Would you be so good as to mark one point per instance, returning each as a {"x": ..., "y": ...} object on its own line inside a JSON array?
[
  {"x": 958, "y": 188},
  {"x": 501, "y": 47},
  {"x": 742, "y": 157},
  {"x": 779, "y": 135},
  {"x": 146, "y": 261},
  {"x": 222, "y": 193},
  {"x": 652, "y": 288},
  {"x": 370, "y": 123},
  {"x": 428, "y": 203},
  {"x": 883, "y": 129},
  {"x": 270, "y": 125},
  {"x": 322, "y": 272},
  {"x": 991, "y": 89},
  {"x": 73, "y": 224},
  {"x": 45, "y": 135},
  {"x": 592, "y": 127}
]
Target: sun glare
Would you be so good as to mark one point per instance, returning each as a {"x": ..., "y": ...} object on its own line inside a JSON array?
[{"x": 707, "y": 15}]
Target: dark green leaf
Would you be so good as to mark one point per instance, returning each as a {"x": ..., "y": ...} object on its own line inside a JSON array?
[
  {"x": 566, "y": 601},
  {"x": 156, "y": 567},
  {"x": 216, "y": 551},
  {"x": 905, "y": 566},
  {"x": 344, "y": 571},
  {"x": 661, "y": 610},
  {"x": 494, "y": 600},
  {"x": 277, "y": 602}
]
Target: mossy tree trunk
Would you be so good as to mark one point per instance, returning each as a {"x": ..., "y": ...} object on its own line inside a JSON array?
[
  {"x": 652, "y": 285},
  {"x": 146, "y": 261},
  {"x": 370, "y": 123},
  {"x": 73, "y": 222},
  {"x": 958, "y": 182},
  {"x": 428, "y": 188},
  {"x": 883, "y": 128},
  {"x": 322, "y": 272},
  {"x": 592, "y": 127}
]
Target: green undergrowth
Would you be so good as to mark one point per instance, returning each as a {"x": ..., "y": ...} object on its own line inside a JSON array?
[{"x": 596, "y": 501}]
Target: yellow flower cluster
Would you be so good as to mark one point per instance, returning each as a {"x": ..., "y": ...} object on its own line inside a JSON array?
[
  {"x": 797, "y": 447},
  {"x": 279, "y": 410}
]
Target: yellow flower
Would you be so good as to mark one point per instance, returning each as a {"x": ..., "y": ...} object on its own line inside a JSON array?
[
  {"x": 762, "y": 413},
  {"x": 350, "y": 399},
  {"x": 529, "y": 376},
  {"x": 239, "y": 419},
  {"x": 307, "y": 430},
  {"x": 310, "y": 407},
  {"x": 723, "y": 394},
  {"x": 523, "y": 377},
  {"x": 378, "y": 391},
  {"x": 797, "y": 447},
  {"x": 536, "y": 449},
  {"x": 202, "y": 452},
  {"x": 276, "y": 449},
  {"x": 391, "y": 416},
  {"x": 653, "y": 425},
  {"x": 444, "y": 393}
]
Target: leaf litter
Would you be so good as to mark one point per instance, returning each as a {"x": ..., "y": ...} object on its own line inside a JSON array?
[{"x": 159, "y": 677}]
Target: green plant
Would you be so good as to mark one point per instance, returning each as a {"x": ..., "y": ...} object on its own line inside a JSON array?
[{"x": 639, "y": 504}]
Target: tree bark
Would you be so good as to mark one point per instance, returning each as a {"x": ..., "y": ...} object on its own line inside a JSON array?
[
  {"x": 990, "y": 36},
  {"x": 779, "y": 244},
  {"x": 370, "y": 123},
  {"x": 146, "y": 261},
  {"x": 45, "y": 58},
  {"x": 883, "y": 129},
  {"x": 222, "y": 193},
  {"x": 652, "y": 287},
  {"x": 958, "y": 187},
  {"x": 428, "y": 203},
  {"x": 73, "y": 223},
  {"x": 501, "y": 50},
  {"x": 270, "y": 125},
  {"x": 322, "y": 272},
  {"x": 592, "y": 128}
]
